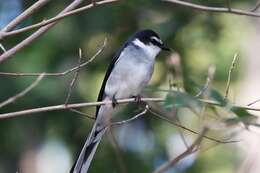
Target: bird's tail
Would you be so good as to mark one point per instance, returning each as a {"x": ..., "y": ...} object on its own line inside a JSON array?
[{"x": 88, "y": 151}]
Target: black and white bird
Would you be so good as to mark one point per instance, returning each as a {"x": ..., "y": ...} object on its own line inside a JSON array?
[{"x": 129, "y": 72}]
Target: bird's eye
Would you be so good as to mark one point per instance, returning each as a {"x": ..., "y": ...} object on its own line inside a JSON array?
[{"x": 156, "y": 41}]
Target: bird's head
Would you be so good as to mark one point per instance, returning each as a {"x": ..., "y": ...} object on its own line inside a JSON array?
[{"x": 149, "y": 41}]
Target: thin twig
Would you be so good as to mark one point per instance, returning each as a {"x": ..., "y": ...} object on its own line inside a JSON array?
[
  {"x": 83, "y": 114},
  {"x": 214, "y": 9},
  {"x": 22, "y": 93},
  {"x": 254, "y": 102},
  {"x": 118, "y": 152},
  {"x": 59, "y": 73},
  {"x": 211, "y": 73},
  {"x": 187, "y": 129},
  {"x": 256, "y": 7},
  {"x": 75, "y": 77},
  {"x": 193, "y": 148},
  {"x": 180, "y": 130},
  {"x": 131, "y": 119},
  {"x": 232, "y": 66},
  {"x": 27, "y": 13}
]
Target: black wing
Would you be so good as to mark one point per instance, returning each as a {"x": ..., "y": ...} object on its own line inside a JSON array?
[{"x": 109, "y": 70}]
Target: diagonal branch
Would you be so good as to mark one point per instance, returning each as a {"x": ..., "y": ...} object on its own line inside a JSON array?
[
  {"x": 256, "y": 6},
  {"x": 54, "y": 19},
  {"x": 36, "y": 34},
  {"x": 41, "y": 31},
  {"x": 214, "y": 9},
  {"x": 27, "y": 13}
]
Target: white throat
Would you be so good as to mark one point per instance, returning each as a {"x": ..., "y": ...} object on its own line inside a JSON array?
[{"x": 149, "y": 49}]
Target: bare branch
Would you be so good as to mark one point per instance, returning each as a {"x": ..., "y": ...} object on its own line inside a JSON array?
[
  {"x": 36, "y": 34},
  {"x": 193, "y": 148},
  {"x": 42, "y": 30},
  {"x": 54, "y": 19},
  {"x": 232, "y": 66},
  {"x": 214, "y": 9},
  {"x": 59, "y": 73},
  {"x": 91, "y": 104},
  {"x": 27, "y": 13},
  {"x": 22, "y": 93}
]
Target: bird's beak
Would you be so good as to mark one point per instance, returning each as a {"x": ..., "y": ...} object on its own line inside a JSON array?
[{"x": 164, "y": 47}]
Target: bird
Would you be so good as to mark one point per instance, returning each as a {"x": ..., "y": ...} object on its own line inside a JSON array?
[{"x": 128, "y": 73}]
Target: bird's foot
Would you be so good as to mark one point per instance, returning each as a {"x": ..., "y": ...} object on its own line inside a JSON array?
[
  {"x": 138, "y": 98},
  {"x": 114, "y": 102}
]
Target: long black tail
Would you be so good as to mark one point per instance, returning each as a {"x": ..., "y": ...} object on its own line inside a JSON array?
[{"x": 88, "y": 151}]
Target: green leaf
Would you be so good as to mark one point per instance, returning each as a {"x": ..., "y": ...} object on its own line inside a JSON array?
[
  {"x": 243, "y": 115},
  {"x": 180, "y": 99},
  {"x": 241, "y": 112},
  {"x": 214, "y": 94}
]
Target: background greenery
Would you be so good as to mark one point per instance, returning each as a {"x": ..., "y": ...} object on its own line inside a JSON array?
[{"x": 54, "y": 139}]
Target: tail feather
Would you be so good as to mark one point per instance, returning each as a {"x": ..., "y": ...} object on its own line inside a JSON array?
[{"x": 88, "y": 151}]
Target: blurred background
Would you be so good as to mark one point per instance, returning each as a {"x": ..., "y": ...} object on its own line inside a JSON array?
[{"x": 50, "y": 142}]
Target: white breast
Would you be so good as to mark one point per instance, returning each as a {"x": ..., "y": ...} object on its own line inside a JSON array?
[{"x": 130, "y": 74}]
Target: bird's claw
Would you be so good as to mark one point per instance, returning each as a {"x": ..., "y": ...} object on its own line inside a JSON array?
[
  {"x": 138, "y": 98},
  {"x": 114, "y": 102}
]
